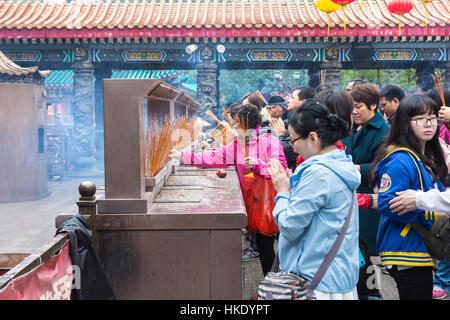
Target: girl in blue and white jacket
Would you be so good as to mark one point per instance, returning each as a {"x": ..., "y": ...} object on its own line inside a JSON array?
[
  {"x": 312, "y": 205},
  {"x": 410, "y": 158}
]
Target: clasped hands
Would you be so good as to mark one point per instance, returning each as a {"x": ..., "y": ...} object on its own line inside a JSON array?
[{"x": 280, "y": 176}]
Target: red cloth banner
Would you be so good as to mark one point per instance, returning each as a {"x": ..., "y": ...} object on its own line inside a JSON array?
[{"x": 49, "y": 281}]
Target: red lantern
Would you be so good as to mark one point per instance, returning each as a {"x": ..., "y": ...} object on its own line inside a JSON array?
[
  {"x": 343, "y": 3},
  {"x": 400, "y": 7}
]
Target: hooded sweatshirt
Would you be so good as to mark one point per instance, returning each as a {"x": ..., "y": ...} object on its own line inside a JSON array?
[{"x": 311, "y": 216}]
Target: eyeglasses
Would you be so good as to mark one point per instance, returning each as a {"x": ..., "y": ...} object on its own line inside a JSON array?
[
  {"x": 292, "y": 141},
  {"x": 422, "y": 122}
]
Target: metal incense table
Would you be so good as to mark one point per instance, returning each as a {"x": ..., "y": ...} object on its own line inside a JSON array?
[
  {"x": 173, "y": 236},
  {"x": 188, "y": 246}
]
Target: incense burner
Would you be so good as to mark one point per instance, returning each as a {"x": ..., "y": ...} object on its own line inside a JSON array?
[{"x": 129, "y": 107}]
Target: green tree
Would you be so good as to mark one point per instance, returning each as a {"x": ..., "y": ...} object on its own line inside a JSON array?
[
  {"x": 404, "y": 78},
  {"x": 234, "y": 84}
]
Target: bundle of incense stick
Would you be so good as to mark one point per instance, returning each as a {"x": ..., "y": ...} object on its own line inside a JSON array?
[
  {"x": 182, "y": 125},
  {"x": 160, "y": 145},
  {"x": 211, "y": 115},
  {"x": 261, "y": 96},
  {"x": 438, "y": 83},
  {"x": 322, "y": 77},
  {"x": 221, "y": 133},
  {"x": 227, "y": 117},
  {"x": 160, "y": 141}
]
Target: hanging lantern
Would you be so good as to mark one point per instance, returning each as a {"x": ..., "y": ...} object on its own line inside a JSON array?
[
  {"x": 328, "y": 7},
  {"x": 400, "y": 7},
  {"x": 343, "y": 3},
  {"x": 426, "y": 10}
]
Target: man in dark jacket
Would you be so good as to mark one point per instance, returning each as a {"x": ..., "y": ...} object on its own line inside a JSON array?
[
  {"x": 390, "y": 100},
  {"x": 299, "y": 95}
]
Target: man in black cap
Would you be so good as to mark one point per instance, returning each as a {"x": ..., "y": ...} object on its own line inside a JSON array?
[
  {"x": 275, "y": 118},
  {"x": 275, "y": 109}
]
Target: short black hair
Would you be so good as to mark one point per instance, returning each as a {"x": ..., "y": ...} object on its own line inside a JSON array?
[
  {"x": 389, "y": 92},
  {"x": 305, "y": 93},
  {"x": 250, "y": 116}
]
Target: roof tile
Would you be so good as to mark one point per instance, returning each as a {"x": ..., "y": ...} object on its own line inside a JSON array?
[
  {"x": 209, "y": 13},
  {"x": 9, "y": 67}
]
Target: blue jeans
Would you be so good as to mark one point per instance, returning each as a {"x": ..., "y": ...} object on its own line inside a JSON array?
[{"x": 442, "y": 276}]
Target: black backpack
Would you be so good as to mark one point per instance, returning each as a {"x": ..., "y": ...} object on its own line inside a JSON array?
[{"x": 437, "y": 239}]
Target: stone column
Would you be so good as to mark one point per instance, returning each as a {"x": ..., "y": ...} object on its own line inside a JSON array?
[
  {"x": 100, "y": 73},
  {"x": 83, "y": 136},
  {"x": 424, "y": 76},
  {"x": 332, "y": 67},
  {"x": 207, "y": 83}
]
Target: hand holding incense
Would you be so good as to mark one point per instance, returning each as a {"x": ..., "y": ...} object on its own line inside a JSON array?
[{"x": 444, "y": 114}]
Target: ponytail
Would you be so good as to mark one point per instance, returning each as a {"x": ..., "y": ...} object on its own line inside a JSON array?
[{"x": 338, "y": 125}]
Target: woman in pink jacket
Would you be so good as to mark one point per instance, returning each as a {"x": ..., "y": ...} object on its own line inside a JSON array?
[{"x": 250, "y": 152}]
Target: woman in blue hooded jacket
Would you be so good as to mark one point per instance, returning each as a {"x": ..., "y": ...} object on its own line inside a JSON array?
[{"x": 312, "y": 205}]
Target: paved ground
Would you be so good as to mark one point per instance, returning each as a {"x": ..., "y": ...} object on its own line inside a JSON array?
[{"x": 26, "y": 226}]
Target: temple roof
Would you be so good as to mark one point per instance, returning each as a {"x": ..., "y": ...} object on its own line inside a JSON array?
[
  {"x": 160, "y": 18},
  {"x": 64, "y": 78},
  {"x": 10, "y": 68}
]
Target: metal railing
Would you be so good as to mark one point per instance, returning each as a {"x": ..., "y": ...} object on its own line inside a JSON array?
[{"x": 87, "y": 206}]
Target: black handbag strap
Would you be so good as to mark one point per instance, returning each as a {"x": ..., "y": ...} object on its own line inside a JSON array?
[{"x": 331, "y": 254}]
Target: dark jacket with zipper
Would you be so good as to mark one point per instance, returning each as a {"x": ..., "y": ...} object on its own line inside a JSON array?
[
  {"x": 94, "y": 283},
  {"x": 363, "y": 145}
]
